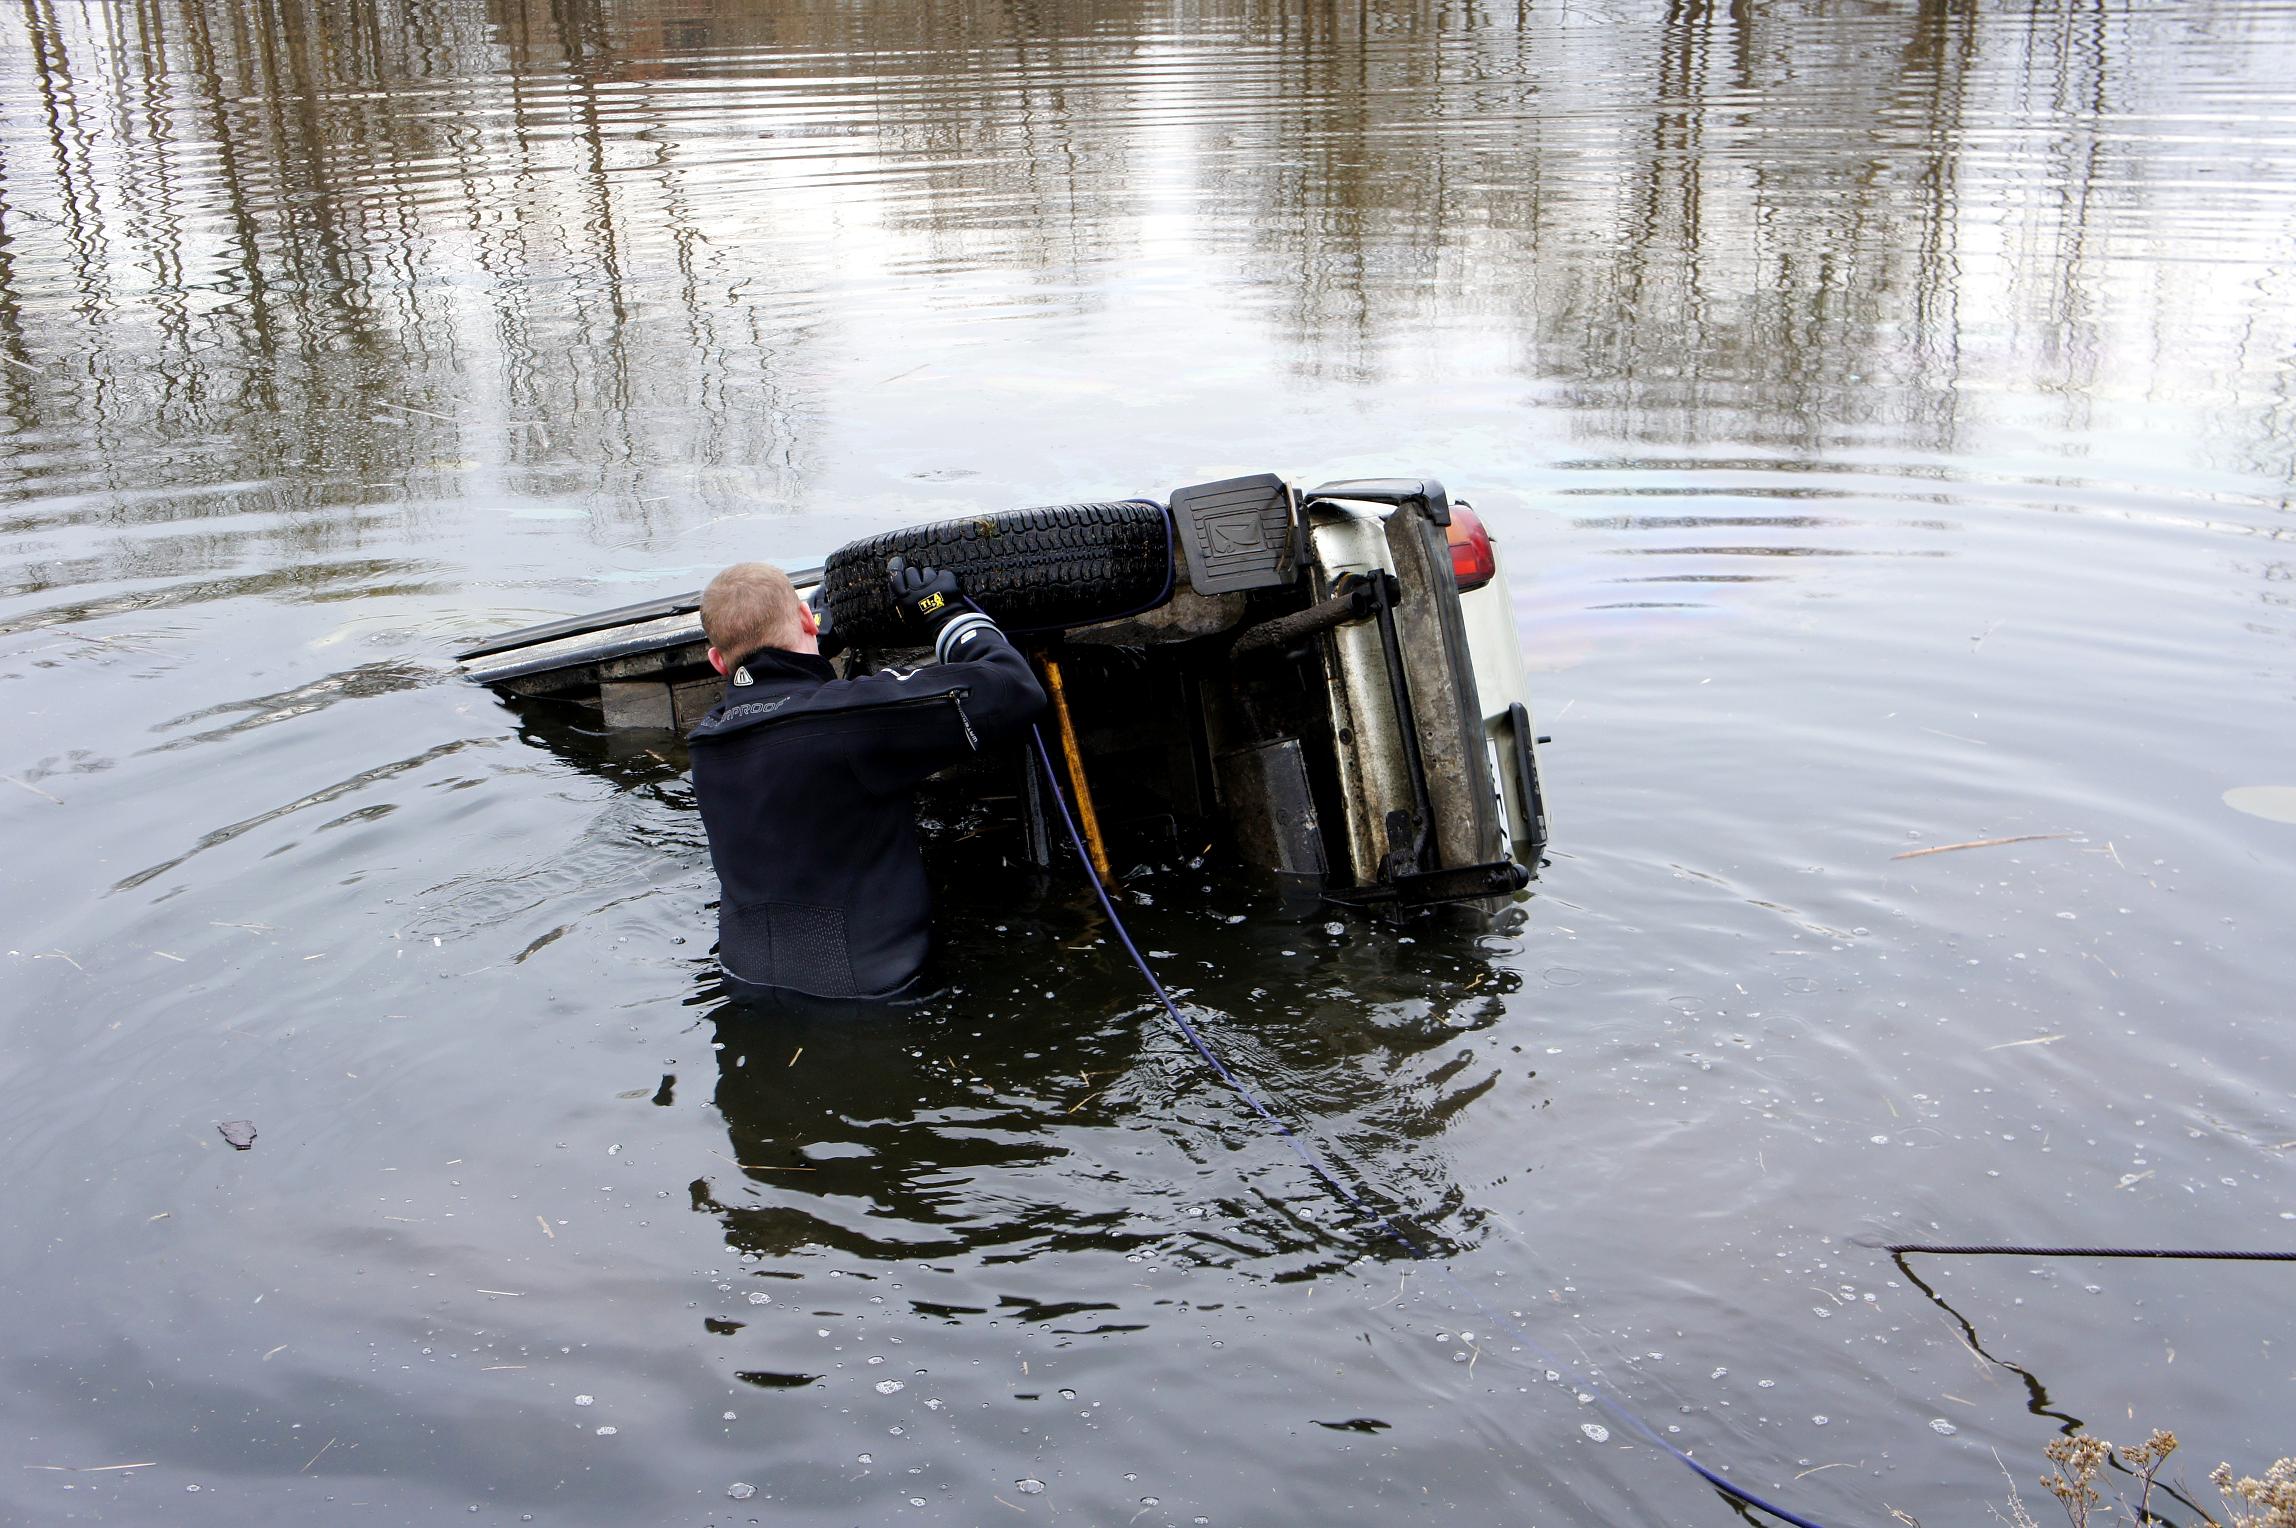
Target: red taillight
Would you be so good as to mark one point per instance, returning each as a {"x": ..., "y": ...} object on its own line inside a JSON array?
[{"x": 1472, "y": 565}]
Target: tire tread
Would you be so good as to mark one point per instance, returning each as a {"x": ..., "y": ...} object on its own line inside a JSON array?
[{"x": 1039, "y": 568}]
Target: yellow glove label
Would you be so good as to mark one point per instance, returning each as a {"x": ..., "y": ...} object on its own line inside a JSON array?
[{"x": 931, "y": 603}]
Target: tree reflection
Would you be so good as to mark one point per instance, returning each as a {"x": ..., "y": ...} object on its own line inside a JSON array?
[{"x": 314, "y": 253}]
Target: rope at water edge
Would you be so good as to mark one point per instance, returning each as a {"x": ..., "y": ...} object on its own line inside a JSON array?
[
  {"x": 1356, "y": 1201},
  {"x": 1981, "y": 1249}
]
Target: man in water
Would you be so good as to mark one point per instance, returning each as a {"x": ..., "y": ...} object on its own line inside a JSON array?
[{"x": 805, "y": 782}]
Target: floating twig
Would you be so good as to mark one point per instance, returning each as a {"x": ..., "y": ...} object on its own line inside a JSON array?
[
  {"x": 545, "y": 1225},
  {"x": 26, "y": 785},
  {"x": 2036, "y": 1040},
  {"x": 512, "y": 1293},
  {"x": 1979, "y": 843},
  {"x": 314, "y": 1459},
  {"x": 93, "y": 1469},
  {"x": 266, "y": 1358}
]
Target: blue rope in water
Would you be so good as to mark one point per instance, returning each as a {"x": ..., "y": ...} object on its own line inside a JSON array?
[{"x": 1356, "y": 1201}]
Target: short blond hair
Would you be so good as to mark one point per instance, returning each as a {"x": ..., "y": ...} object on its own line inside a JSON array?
[{"x": 751, "y": 605}]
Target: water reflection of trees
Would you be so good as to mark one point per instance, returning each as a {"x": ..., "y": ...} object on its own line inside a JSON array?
[
  {"x": 306, "y": 247},
  {"x": 312, "y": 251}
]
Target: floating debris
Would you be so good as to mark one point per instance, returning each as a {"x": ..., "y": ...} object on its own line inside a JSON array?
[
  {"x": 1595, "y": 1431},
  {"x": 239, "y": 1132},
  {"x": 2273, "y": 803},
  {"x": 1942, "y": 1427},
  {"x": 741, "y": 1490},
  {"x": 890, "y": 1387},
  {"x": 1029, "y": 1487},
  {"x": 1979, "y": 843}
]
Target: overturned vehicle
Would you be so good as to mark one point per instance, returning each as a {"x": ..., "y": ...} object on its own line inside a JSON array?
[{"x": 1327, "y": 683}]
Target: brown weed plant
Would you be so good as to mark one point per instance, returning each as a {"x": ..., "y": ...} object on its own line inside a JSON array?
[
  {"x": 2249, "y": 1502},
  {"x": 2254, "y": 1503}
]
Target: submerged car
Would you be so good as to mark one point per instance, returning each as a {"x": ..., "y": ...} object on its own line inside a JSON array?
[{"x": 1326, "y": 682}]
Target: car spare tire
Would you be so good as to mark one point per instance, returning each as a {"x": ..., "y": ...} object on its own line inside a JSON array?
[{"x": 1031, "y": 569}]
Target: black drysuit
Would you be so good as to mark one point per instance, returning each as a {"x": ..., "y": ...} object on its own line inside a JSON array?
[{"x": 805, "y": 783}]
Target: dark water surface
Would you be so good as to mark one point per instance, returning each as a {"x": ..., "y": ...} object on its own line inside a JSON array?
[{"x": 1889, "y": 413}]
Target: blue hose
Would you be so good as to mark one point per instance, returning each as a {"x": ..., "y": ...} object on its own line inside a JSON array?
[{"x": 1356, "y": 1201}]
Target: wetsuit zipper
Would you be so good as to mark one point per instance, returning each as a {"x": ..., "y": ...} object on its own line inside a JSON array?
[{"x": 955, "y": 698}]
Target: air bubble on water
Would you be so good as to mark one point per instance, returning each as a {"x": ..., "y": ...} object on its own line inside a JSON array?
[
  {"x": 1147, "y": 1501},
  {"x": 890, "y": 1387},
  {"x": 1942, "y": 1427},
  {"x": 1335, "y": 927},
  {"x": 1878, "y": 1140},
  {"x": 1820, "y": 1421},
  {"x": 760, "y": 1297},
  {"x": 877, "y": 1359},
  {"x": 865, "y": 1458},
  {"x": 1029, "y": 1487},
  {"x": 935, "y": 1404},
  {"x": 729, "y": 1416},
  {"x": 916, "y": 1501},
  {"x": 584, "y": 1400},
  {"x": 1765, "y": 1384},
  {"x": 1595, "y": 1431},
  {"x": 741, "y": 1490},
  {"x": 608, "y": 1431},
  {"x": 1067, "y": 1394},
  {"x": 1718, "y": 1373}
]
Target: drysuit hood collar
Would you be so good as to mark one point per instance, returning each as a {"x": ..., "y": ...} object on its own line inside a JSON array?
[{"x": 768, "y": 664}]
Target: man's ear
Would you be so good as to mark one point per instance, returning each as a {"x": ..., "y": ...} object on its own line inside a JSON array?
[
  {"x": 812, "y": 621},
  {"x": 717, "y": 660}
]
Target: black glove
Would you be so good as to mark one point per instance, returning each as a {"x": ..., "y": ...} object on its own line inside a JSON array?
[
  {"x": 929, "y": 597},
  {"x": 826, "y": 637}
]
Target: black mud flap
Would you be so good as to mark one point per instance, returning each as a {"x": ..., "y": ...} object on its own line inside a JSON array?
[
  {"x": 1237, "y": 533},
  {"x": 1468, "y": 883}
]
